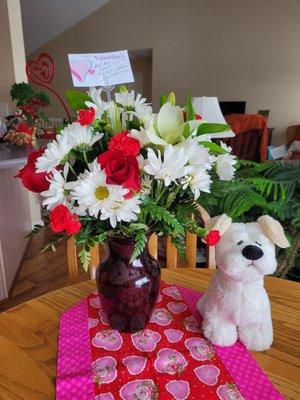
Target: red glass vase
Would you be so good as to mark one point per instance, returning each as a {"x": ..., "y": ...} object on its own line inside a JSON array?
[{"x": 127, "y": 289}]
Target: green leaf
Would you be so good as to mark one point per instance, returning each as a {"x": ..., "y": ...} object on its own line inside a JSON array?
[
  {"x": 189, "y": 109},
  {"x": 140, "y": 243},
  {"x": 162, "y": 99},
  {"x": 85, "y": 258},
  {"x": 213, "y": 147},
  {"x": 77, "y": 99},
  {"x": 186, "y": 130},
  {"x": 208, "y": 127},
  {"x": 43, "y": 116}
]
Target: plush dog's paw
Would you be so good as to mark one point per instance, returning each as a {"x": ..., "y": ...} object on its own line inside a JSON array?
[
  {"x": 257, "y": 337},
  {"x": 220, "y": 333}
]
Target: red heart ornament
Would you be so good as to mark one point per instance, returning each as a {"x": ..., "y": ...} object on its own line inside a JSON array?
[{"x": 41, "y": 70}]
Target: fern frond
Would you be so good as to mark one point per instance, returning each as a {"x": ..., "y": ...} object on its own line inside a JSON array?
[
  {"x": 85, "y": 258},
  {"x": 159, "y": 213},
  {"x": 239, "y": 202},
  {"x": 139, "y": 245}
]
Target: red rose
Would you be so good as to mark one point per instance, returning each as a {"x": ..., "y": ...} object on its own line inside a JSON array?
[
  {"x": 121, "y": 170},
  {"x": 198, "y": 116},
  {"x": 212, "y": 237},
  {"x": 129, "y": 146},
  {"x": 33, "y": 181},
  {"x": 86, "y": 116},
  {"x": 61, "y": 219}
]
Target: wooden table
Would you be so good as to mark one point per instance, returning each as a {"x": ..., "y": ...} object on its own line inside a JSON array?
[{"x": 29, "y": 332}]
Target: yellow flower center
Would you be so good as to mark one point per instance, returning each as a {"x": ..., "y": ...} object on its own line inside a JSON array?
[{"x": 101, "y": 193}]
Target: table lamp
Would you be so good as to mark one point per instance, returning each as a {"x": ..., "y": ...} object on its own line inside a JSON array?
[{"x": 209, "y": 109}]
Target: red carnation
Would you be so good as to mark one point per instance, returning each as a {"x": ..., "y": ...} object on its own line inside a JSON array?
[
  {"x": 86, "y": 116},
  {"x": 212, "y": 237},
  {"x": 121, "y": 170},
  {"x": 61, "y": 219},
  {"x": 31, "y": 180},
  {"x": 122, "y": 142}
]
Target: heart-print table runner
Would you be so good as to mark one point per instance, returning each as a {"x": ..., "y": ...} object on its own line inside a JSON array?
[{"x": 168, "y": 360}]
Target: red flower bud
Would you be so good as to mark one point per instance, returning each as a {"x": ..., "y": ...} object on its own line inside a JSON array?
[
  {"x": 86, "y": 116},
  {"x": 212, "y": 237},
  {"x": 61, "y": 219}
]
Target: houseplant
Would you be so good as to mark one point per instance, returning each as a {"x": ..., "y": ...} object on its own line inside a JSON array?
[
  {"x": 22, "y": 125},
  {"x": 120, "y": 173}
]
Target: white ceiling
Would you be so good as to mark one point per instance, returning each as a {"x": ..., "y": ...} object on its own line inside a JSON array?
[{"x": 43, "y": 20}]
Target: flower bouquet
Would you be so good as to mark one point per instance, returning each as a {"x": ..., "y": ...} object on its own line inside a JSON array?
[{"x": 119, "y": 173}]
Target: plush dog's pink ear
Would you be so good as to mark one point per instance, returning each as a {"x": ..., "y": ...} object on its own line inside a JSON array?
[
  {"x": 220, "y": 223},
  {"x": 273, "y": 231}
]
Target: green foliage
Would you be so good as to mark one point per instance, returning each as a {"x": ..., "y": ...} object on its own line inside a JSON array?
[
  {"x": 189, "y": 109},
  {"x": 207, "y": 128},
  {"x": 140, "y": 243},
  {"x": 77, "y": 99},
  {"x": 21, "y": 92},
  {"x": 158, "y": 213},
  {"x": 162, "y": 99},
  {"x": 85, "y": 258},
  {"x": 213, "y": 147}
]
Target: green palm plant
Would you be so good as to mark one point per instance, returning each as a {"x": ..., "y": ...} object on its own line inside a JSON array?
[{"x": 268, "y": 188}]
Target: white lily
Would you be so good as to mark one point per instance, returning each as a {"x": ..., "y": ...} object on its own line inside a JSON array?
[
  {"x": 168, "y": 126},
  {"x": 114, "y": 115}
]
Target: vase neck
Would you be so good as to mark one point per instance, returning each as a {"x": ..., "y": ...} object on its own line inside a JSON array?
[{"x": 122, "y": 246}]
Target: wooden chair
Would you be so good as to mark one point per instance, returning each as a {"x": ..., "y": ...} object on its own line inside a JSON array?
[{"x": 172, "y": 259}]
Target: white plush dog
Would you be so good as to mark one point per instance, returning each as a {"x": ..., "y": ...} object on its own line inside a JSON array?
[{"x": 236, "y": 304}]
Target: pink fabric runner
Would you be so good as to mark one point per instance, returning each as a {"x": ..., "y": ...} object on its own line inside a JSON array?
[{"x": 74, "y": 378}]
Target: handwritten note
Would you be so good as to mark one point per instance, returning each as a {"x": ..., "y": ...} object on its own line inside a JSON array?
[{"x": 100, "y": 69}]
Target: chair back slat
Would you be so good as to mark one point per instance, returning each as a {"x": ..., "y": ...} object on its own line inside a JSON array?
[
  {"x": 171, "y": 254},
  {"x": 172, "y": 258},
  {"x": 152, "y": 245},
  {"x": 95, "y": 260},
  {"x": 72, "y": 260},
  {"x": 191, "y": 249}
]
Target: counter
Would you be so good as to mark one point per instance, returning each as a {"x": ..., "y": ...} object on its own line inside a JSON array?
[{"x": 16, "y": 209}]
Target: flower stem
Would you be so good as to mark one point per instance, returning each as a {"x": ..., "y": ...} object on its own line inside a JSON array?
[
  {"x": 73, "y": 171},
  {"x": 85, "y": 158}
]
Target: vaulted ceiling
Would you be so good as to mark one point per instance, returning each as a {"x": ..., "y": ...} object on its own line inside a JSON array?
[{"x": 43, "y": 20}]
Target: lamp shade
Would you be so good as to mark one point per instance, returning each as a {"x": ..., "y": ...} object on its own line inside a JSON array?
[{"x": 209, "y": 109}]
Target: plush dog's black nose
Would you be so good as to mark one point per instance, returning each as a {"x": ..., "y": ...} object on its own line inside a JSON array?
[{"x": 252, "y": 252}]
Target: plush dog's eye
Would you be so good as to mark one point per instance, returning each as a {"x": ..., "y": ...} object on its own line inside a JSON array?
[
  {"x": 258, "y": 243},
  {"x": 240, "y": 242}
]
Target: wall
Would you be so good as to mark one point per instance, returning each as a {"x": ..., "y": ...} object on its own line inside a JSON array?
[
  {"x": 234, "y": 49},
  {"x": 7, "y": 76}
]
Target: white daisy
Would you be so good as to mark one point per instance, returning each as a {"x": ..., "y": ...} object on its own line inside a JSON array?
[
  {"x": 55, "y": 154},
  {"x": 172, "y": 167},
  {"x": 101, "y": 199},
  {"x": 125, "y": 210},
  {"x": 58, "y": 192},
  {"x": 131, "y": 103},
  {"x": 198, "y": 181},
  {"x": 198, "y": 155},
  {"x": 82, "y": 137},
  {"x": 225, "y": 164},
  {"x": 97, "y": 103}
]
